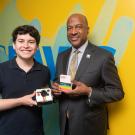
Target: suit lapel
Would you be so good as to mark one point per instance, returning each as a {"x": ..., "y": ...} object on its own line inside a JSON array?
[
  {"x": 85, "y": 61},
  {"x": 65, "y": 61}
]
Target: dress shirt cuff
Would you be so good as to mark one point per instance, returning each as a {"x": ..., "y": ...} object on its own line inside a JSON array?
[{"x": 89, "y": 94}]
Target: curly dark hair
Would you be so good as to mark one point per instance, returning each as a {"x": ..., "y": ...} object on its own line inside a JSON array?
[{"x": 26, "y": 29}]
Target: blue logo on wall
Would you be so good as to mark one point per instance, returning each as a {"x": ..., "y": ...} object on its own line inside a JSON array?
[{"x": 47, "y": 53}]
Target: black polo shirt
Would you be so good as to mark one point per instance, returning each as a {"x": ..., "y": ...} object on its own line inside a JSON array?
[{"x": 15, "y": 83}]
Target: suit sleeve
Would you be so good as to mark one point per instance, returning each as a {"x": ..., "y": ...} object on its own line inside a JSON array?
[
  {"x": 56, "y": 79},
  {"x": 48, "y": 74},
  {"x": 111, "y": 89},
  {"x": 0, "y": 81}
]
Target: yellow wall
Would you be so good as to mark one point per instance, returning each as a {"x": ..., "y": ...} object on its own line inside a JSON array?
[{"x": 111, "y": 24}]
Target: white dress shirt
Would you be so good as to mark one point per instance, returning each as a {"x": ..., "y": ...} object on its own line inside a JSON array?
[{"x": 80, "y": 54}]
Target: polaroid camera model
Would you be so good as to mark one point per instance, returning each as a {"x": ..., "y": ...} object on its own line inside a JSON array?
[{"x": 44, "y": 96}]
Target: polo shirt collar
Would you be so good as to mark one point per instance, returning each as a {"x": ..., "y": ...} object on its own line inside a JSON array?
[{"x": 13, "y": 64}]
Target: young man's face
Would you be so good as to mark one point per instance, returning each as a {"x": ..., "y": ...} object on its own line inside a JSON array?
[
  {"x": 25, "y": 46},
  {"x": 77, "y": 30}
]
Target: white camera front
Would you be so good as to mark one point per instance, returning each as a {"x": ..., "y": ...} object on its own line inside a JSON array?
[{"x": 44, "y": 96}]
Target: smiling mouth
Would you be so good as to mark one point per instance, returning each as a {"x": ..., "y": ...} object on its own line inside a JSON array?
[
  {"x": 26, "y": 51},
  {"x": 74, "y": 38}
]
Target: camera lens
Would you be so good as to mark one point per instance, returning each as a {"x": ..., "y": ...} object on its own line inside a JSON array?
[
  {"x": 44, "y": 93},
  {"x": 48, "y": 90}
]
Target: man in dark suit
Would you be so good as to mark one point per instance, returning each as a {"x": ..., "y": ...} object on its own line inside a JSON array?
[{"x": 83, "y": 109}]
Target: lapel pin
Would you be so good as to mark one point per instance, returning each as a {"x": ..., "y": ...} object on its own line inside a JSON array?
[{"x": 88, "y": 56}]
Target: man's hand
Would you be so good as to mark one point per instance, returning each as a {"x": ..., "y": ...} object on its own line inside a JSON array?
[
  {"x": 27, "y": 100},
  {"x": 80, "y": 89},
  {"x": 55, "y": 89},
  {"x": 6, "y": 104}
]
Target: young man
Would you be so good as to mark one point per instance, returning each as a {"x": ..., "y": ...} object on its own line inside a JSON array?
[
  {"x": 19, "y": 78},
  {"x": 83, "y": 110}
]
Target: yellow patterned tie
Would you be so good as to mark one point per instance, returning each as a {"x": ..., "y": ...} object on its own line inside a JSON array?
[{"x": 73, "y": 64}]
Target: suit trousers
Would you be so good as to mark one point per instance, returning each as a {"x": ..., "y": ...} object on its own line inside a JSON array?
[{"x": 67, "y": 127}]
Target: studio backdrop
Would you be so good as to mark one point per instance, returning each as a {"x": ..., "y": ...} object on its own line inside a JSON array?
[{"x": 111, "y": 24}]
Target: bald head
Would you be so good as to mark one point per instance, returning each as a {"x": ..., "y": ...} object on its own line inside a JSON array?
[{"x": 81, "y": 16}]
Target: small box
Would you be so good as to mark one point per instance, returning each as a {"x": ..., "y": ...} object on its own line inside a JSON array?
[{"x": 65, "y": 82}]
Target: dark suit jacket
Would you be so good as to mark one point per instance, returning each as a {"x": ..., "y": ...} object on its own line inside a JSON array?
[{"x": 99, "y": 72}]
